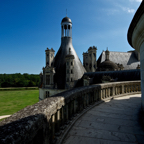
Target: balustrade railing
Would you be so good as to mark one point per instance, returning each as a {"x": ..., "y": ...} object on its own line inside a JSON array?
[{"x": 59, "y": 110}]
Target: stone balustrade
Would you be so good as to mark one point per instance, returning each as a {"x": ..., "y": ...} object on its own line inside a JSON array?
[{"x": 42, "y": 122}]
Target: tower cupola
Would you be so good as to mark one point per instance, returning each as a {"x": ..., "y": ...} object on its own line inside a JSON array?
[{"x": 66, "y": 27}]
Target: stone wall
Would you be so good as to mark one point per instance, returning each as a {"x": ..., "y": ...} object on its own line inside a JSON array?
[
  {"x": 43, "y": 121},
  {"x": 136, "y": 40}
]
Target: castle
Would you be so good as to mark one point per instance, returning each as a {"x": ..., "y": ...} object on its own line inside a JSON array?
[{"x": 64, "y": 70}]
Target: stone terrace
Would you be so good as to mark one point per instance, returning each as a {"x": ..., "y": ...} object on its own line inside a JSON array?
[
  {"x": 112, "y": 122},
  {"x": 48, "y": 121}
]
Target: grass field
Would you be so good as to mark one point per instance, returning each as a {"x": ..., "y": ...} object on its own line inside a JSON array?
[{"x": 13, "y": 101}]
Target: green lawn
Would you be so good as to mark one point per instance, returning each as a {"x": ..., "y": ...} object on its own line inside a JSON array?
[{"x": 13, "y": 101}]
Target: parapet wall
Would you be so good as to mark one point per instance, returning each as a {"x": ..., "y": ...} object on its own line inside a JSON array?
[{"x": 43, "y": 121}]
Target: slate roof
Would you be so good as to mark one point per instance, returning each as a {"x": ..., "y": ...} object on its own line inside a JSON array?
[
  {"x": 60, "y": 63},
  {"x": 127, "y": 59}
]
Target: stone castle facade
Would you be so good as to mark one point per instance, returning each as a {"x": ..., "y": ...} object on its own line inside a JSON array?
[{"x": 63, "y": 70}]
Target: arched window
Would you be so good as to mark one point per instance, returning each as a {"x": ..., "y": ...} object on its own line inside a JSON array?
[{"x": 68, "y": 26}]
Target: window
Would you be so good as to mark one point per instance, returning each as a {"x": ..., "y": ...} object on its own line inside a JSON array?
[
  {"x": 68, "y": 26},
  {"x": 90, "y": 66},
  {"x": 90, "y": 55},
  {"x": 71, "y": 79},
  {"x": 71, "y": 71},
  {"x": 67, "y": 71},
  {"x": 71, "y": 63},
  {"x": 47, "y": 79},
  {"x": 67, "y": 63},
  {"x": 51, "y": 55},
  {"x": 94, "y": 54},
  {"x": 47, "y": 94}
]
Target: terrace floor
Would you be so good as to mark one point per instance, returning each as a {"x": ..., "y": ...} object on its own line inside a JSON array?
[{"x": 112, "y": 122}]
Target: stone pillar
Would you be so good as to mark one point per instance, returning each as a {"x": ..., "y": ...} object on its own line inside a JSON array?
[
  {"x": 71, "y": 108},
  {"x": 62, "y": 116},
  {"x": 106, "y": 92},
  {"x": 87, "y": 99},
  {"x": 66, "y": 114},
  {"x": 53, "y": 126},
  {"x": 95, "y": 96},
  {"x": 126, "y": 89},
  {"x": 84, "y": 97},
  {"x": 100, "y": 94},
  {"x": 113, "y": 91},
  {"x": 122, "y": 89},
  {"x": 116, "y": 92},
  {"x": 103, "y": 93},
  {"x": 58, "y": 120},
  {"x": 75, "y": 106}
]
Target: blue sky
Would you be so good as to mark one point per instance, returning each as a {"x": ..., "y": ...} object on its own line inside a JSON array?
[{"x": 28, "y": 27}]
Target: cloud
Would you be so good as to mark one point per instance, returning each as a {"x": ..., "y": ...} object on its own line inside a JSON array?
[
  {"x": 128, "y": 10},
  {"x": 111, "y": 11},
  {"x": 135, "y": 0}
]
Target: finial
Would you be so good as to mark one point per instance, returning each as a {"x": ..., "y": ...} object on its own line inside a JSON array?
[
  {"x": 66, "y": 12},
  {"x": 107, "y": 48}
]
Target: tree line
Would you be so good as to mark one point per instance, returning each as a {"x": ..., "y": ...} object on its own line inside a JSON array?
[{"x": 19, "y": 80}]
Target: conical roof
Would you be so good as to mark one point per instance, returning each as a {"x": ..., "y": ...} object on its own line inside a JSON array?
[{"x": 60, "y": 63}]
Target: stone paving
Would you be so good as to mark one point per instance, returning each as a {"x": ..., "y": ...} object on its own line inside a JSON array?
[{"x": 112, "y": 122}]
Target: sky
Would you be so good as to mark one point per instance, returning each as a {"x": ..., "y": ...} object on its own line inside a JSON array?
[{"x": 28, "y": 27}]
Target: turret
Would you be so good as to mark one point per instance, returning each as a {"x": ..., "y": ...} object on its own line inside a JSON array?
[
  {"x": 86, "y": 61},
  {"x": 49, "y": 57},
  {"x": 48, "y": 70},
  {"x": 92, "y": 59}
]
